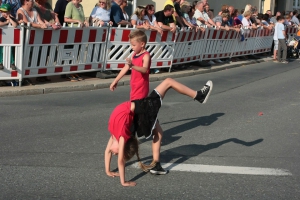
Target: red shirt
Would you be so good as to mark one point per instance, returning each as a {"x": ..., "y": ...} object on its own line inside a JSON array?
[
  {"x": 139, "y": 82},
  {"x": 120, "y": 121}
]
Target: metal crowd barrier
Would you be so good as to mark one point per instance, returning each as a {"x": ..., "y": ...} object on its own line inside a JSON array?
[{"x": 40, "y": 52}]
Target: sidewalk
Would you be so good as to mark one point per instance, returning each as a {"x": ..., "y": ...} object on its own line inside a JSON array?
[{"x": 59, "y": 84}]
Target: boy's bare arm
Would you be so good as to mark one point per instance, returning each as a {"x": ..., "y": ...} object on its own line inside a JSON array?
[{"x": 114, "y": 84}]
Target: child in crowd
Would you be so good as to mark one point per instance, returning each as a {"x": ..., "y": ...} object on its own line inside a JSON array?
[
  {"x": 123, "y": 142},
  {"x": 281, "y": 35},
  {"x": 5, "y": 20}
]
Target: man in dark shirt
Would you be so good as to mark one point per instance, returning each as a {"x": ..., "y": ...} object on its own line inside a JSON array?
[
  {"x": 116, "y": 14},
  {"x": 165, "y": 19},
  {"x": 60, "y": 8}
]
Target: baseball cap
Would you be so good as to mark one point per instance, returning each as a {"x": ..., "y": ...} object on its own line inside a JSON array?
[{"x": 5, "y": 7}]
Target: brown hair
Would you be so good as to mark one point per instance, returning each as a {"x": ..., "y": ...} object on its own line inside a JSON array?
[
  {"x": 138, "y": 35},
  {"x": 132, "y": 148}
]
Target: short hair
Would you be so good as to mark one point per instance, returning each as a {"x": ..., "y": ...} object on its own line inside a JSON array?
[
  {"x": 295, "y": 12},
  {"x": 242, "y": 11},
  {"x": 247, "y": 13},
  {"x": 280, "y": 18},
  {"x": 225, "y": 14},
  {"x": 266, "y": 17},
  {"x": 131, "y": 148},
  {"x": 168, "y": 7},
  {"x": 138, "y": 35}
]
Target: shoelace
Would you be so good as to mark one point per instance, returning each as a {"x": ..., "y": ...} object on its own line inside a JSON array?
[{"x": 205, "y": 89}]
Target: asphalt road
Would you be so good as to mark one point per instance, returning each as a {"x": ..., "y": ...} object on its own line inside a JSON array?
[{"x": 52, "y": 146}]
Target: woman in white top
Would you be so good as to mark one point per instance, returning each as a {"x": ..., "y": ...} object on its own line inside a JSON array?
[
  {"x": 150, "y": 18},
  {"x": 122, "y": 6},
  {"x": 246, "y": 19},
  {"x": 27, "y": 14},
  {"x": 137, "y": 19},
  {"x": 101, "y": 13}
]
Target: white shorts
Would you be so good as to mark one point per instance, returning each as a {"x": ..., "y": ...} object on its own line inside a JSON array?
[{"x": 275, "y": 44}]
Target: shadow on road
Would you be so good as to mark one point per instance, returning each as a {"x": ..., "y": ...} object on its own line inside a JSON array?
[
  {"x": 185, "y": 152},
  {"x": 169, "y": 137}
]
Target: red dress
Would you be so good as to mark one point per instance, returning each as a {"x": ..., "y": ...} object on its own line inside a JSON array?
[{"x": 139, "y": 82}]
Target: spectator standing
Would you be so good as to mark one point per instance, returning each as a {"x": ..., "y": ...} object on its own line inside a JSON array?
[
  {"x": 295, "y": 19},
  {"x": 208, "y": 11},
  {"x": 28, "y": 14},
  {"x": 137, "y": 19},
  {"x": 75, "y": 14},
  {"x": 231, "y": 11},
  {"x": 269, "y": 12},
  {"x": 60, "y": 9},
  {"x": 222, "y": 20},
  {"x": 201, "y": 16},
  {"x": 116, "y": 14},
  {"x": 236, "y": 21},
  {"x": 151, "y": 19},
  {"x": 273, "y": 20},
  {"x": 5, "y": 20},
  {"x": 122, "y": 6},
  {"x": 241, "y": 15},
  {"x": 14, "y": 5},
  {"x": 275, "y": 38},
  {"x": 191, "y": 14},
  {"x": 165, "y": 19},
  {"x": 46, "y": 13},
  {"x": 246, "y": 19},
  {"x": 281, "y": 35},
  {"x": 100, "y": 15}
]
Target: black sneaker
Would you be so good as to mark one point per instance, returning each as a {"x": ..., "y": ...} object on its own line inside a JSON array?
[
  {"x": 203, "y": 94},
  {"x": 158, "y": 170}
]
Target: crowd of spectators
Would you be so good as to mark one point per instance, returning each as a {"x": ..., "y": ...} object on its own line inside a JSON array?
[{"x": 176, "y": 13}]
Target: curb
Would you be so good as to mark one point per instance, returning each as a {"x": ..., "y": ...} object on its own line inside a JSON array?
[{"x": 105, "y": 83}]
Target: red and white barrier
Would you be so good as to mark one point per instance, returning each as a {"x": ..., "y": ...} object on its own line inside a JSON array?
[
  {"x": 160, "y": 47},
  {"x": 245, "y": 46},
  {"x": 11, "y": 40},
  {"x": 75, "y": 50},
  {"x": 63, "y": 51},
  {"x": 264, "y": 40},
  {"x": 189, "y": 46},
  {"x": 219, "y": 43}
]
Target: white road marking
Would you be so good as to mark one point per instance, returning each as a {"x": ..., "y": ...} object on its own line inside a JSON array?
[{"x": 223, "y": 169}]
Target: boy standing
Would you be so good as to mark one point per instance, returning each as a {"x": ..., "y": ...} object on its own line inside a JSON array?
[
  {"x": 139, "y": 64},
  {"x": 281, "y": 35}
]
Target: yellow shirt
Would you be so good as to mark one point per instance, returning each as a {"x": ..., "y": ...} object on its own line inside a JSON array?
[{"x": 170, "y": 2}]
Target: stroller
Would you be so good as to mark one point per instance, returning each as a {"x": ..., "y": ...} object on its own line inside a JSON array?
[{"x": 293, "y": 47}]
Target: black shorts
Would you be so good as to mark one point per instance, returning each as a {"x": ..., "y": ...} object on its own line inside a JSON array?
[{"x": 145, "y": 114}]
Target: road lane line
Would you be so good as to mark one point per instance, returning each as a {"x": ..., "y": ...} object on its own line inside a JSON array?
[{"x": 223, "y": 169}]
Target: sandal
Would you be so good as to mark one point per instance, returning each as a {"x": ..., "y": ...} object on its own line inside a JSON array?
[
  {"x": 79, "y": 78},
  {"x": 72, "y": 78}
]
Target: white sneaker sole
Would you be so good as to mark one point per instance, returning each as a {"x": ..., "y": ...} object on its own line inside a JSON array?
[{"x": 210, "y": 84}]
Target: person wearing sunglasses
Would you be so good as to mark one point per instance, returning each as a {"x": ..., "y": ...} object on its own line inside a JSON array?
[
  {"x": 125, "y": 14},
  {"x": 116, "y": 14},
  {"x": 101, "y": 13}
]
